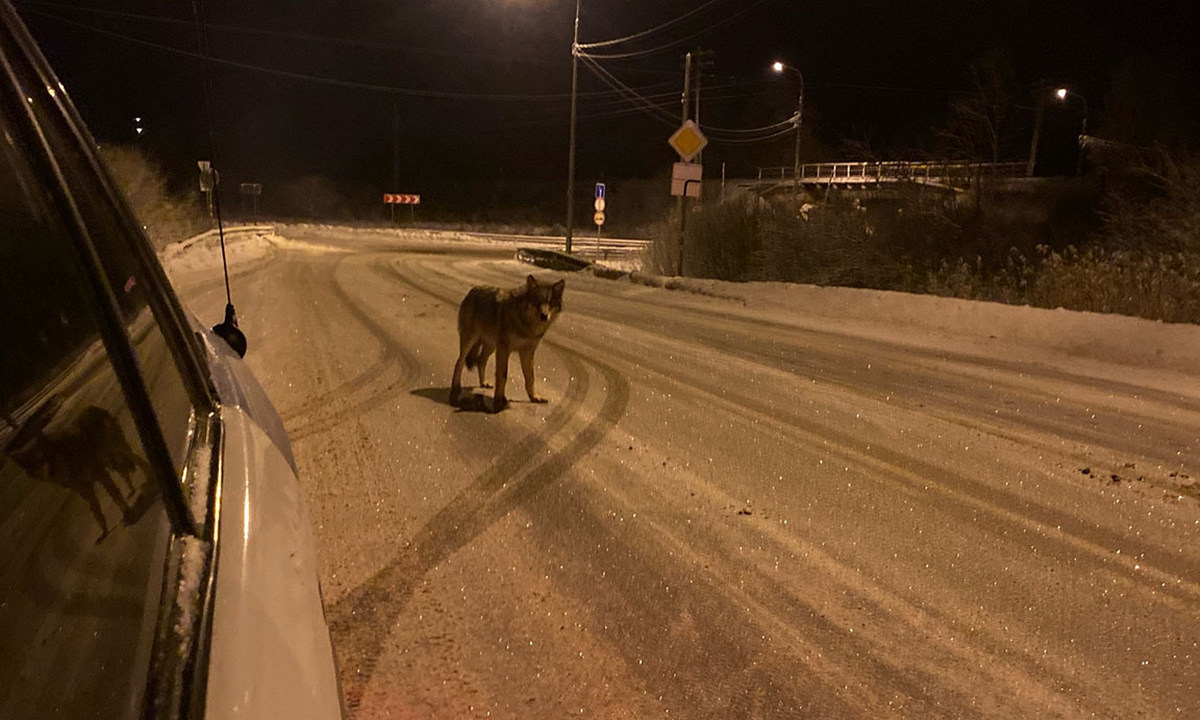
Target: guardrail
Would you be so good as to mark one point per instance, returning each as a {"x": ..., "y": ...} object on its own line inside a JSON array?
[
  {"x": 892, "y": 171},
  {"x": 231, "y": 230},
  {"x": 174, "y": 249}
]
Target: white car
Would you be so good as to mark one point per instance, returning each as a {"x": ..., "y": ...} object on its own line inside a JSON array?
[{"x": 156, "y": 558}]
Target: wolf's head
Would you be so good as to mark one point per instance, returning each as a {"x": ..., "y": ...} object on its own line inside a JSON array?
[{"x": 542, "y": 302}]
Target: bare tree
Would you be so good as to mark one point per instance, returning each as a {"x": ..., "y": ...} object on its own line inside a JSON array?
[{"x": 978, "y": 127}]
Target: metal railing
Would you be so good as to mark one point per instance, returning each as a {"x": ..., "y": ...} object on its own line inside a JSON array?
[{"x": 892, "y": 171}]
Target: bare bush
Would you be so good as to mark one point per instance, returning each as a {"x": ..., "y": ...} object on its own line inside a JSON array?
[
  {"x": 1159, "y": 214},
  {"x": 1156, "y": 286},
  {"x": 164, "y": 218},
  {"x": 1144, "y": 260}
]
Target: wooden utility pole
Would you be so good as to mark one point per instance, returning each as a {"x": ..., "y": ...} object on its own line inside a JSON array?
[
  {"x": 571, "y": 151},
  {"x": 685, "y": 103}
]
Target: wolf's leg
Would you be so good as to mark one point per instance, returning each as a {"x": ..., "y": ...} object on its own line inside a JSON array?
[
  {"x": 527, "y": 368},
  {"x": 485, "y": 352},
  {"x": 103, "y": 477},
  {"x": 89, "y": 495},
  {"x": 465, "y": 342},
  {"x": 498, "y": 398}
]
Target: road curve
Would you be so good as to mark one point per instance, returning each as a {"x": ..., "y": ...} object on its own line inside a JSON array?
[{"x": 722, "y": 512}]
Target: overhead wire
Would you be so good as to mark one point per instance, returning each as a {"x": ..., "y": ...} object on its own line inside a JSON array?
[
  {"x": 619, "y": 93},
  {"x": 751, "y": 131},
  {"x": 662, "y": 115},
  {"x": 336, "y": 82},
  {"x": 651, "y": 31},
  {"x": 32, "y": 5},
  {"x": 675, "y": 43},
  {"x": 652, "y": 109}
]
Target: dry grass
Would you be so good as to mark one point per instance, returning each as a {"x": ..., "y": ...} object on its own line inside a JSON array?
[
  {"x": 1139, "y": 255},
  {"x": 164, "y": 218},
  {"x": 1156, "y": 286}
]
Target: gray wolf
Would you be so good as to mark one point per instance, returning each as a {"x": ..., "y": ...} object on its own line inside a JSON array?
[{"x": 504, "y": 321}]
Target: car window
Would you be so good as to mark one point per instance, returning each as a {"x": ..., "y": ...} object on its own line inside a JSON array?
[
  {"x": 112, "y": 239},
  {"x": 83, "y": 531}
]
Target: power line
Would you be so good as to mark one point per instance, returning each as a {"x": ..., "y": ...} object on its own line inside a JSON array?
[
  {"x": 651, "y": 31},
  {"x": 786, "y": 124},
  {"x": 659, "y": 113},
  {"x": 675, "y": 43},
  {"x": 283, "y": 34},
  {"x": 335, "y": 82},
  {"x": 655, "y": 111}
]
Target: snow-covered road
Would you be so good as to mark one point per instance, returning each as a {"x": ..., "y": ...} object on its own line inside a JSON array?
[{"x": 757, "y": 501}]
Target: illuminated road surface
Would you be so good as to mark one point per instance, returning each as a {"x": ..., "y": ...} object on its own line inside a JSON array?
[{"x": 726, "y": 510}]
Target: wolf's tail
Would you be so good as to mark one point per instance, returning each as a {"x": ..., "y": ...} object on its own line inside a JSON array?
[{"x": 473, "y": 356}]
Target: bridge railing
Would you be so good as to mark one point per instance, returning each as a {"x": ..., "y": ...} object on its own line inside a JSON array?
[{"x": 891, "y": 171}]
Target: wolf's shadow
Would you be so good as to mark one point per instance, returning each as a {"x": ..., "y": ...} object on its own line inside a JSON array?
[{"x": 469, "y": 402}]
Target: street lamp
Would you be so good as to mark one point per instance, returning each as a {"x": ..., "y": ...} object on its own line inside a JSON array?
[
  {"x": 779, "y": 68},
  {"x": 1062, "y": 94}
]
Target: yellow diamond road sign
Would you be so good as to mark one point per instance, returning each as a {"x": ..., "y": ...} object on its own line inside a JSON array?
[{"x": 688, "y": 141}]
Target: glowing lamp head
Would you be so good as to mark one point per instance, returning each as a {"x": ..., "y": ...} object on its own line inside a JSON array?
[
  {"x": 777, "y": 66},
  {"x": 1061, "y": 93}
]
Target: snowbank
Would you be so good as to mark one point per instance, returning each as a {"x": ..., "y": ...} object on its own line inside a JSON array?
[
  {"x": 993, "y": 329},
  {"x": 203, "y": 252},
  {"x": 999, "y": 330}
]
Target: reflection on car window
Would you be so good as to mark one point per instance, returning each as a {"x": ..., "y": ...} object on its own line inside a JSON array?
[
  {"x": 83, "y": 533},
  {"x": 113, "y": 242}
]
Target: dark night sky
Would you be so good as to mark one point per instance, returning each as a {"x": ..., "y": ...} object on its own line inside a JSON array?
[{"x": 478, "y": 88}]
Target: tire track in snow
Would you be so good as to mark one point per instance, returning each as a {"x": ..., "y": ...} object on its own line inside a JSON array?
[
  {"x": 394, "y": 370},
  {"x": 359, "y": 620}
]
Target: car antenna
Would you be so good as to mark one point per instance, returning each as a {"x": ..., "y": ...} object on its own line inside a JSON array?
[{"x": 228, "y": 328}]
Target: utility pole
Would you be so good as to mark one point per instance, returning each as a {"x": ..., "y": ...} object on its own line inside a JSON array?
[
  {"x": 395, "y": 152},
  {"x": 1037, "y": 132},
  {"x": 702, "y": 61},
  {"x": 571, "y": 151},
  {"x": 685, "y": 104},
  {"x": 687, "y": 84}
]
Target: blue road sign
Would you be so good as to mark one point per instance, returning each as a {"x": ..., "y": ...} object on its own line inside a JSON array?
[{"x": 599, "y": 190}]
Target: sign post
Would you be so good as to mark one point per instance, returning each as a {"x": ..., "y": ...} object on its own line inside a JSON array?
[
  {"x": 208, "y": 183},
  {"x": 686, "y": 176},
  {"x": 252, "y": 190},
  {"x": 394, "y": 199},
  {"x": 599, "y": 204}
]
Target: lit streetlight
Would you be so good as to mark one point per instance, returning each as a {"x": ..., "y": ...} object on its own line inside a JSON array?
[
  {"x": 1062, "y": 94},
  {"x": 779, "y": 68}
]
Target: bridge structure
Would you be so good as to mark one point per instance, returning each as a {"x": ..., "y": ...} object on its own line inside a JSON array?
[{"x": 950, "y": 176}]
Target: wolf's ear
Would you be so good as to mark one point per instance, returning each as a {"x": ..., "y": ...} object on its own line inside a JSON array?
[
  {"x": 531, "y": 283},
  {"x": 556, "y": 290}
]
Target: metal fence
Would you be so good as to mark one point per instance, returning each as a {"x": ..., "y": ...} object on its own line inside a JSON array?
[{"x": 950, "y": 173}]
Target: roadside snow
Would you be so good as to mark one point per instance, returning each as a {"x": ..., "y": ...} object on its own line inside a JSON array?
[
  {"x": 203, "y": 252},
  {"x": 1010, "y": 331},
  {"x": 1002, "y": 331}
]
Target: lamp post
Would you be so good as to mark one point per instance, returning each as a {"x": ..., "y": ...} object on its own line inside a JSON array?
[
  {"x": 1062, "y": 94},
  {"x": 571, "y": 150},
  {"x": 779, "y": 68}
]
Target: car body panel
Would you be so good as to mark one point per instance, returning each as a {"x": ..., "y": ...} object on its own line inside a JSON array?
[
  {"x": 236, "y": 386},
  {"x": 270, "y": 655}
]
